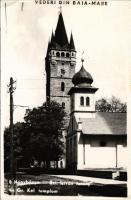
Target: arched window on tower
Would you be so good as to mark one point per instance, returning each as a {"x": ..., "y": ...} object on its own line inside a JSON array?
[
  {"x": 62, "y": 86},
  {"x": 87, "y": 101},
  {"x": 58, "y": 54},
  {"x": 62, "y": 54},
  {"x": 67, "y": 55},
  {"x": 82, "y": 101}
]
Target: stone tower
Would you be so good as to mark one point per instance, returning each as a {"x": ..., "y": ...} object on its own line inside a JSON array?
[{"x": 60, "y": 64}]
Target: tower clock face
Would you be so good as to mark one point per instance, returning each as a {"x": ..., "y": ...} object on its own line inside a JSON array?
[{"x": 62, "y": 71}]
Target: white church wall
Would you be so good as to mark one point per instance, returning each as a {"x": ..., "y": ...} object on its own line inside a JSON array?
[
  {"x": 80, "y": 157},
  {"x": 95, "y": 156},
  {"x": 79, "y": 151},
  {"x": 101, "y": 157},
  {"x": 122, "y": 153}
]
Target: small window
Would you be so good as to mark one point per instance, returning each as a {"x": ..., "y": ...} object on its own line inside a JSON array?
[
  {"x": 82, "y": 101},
  {"x": 87, "y": 101},
  {"x": 72, "y": 54},
  {"x": 58, "y": 54},
  {"x": 52, "y": 52},
  {"x": 62, "y": 86},
  {"x": 102, "y": 143},
  {"x": 62, "y": 54},
  {"x": 67, "y": 55},
  {"x": 63, "y": 105}
]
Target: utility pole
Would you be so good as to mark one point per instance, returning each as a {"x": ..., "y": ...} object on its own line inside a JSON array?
[
  {"x": 12, "y": 163},
  {"x": 116, "y": 156}
]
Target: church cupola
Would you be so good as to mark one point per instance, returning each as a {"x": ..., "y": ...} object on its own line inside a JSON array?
[
  {"x": 82, "y": 94},
  {"x": 82, "y": 78}
]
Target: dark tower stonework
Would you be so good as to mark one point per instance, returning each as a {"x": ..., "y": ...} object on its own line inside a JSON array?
[{"x": 60, "y": 66}]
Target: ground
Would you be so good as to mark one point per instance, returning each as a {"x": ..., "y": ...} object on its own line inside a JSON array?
[{"x": 66, "y": 185}]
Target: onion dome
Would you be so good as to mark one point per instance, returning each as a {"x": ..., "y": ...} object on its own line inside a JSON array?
[{"x": 82, "y": 77}]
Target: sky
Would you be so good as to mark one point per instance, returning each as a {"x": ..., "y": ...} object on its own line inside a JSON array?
[{"x": 102, "y": 32}]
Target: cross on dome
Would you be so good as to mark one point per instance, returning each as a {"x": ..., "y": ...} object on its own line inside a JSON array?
[{"x": 82, "y": 59}]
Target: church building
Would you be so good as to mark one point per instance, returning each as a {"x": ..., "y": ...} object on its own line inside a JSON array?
[{"x": 94, "y": 140}]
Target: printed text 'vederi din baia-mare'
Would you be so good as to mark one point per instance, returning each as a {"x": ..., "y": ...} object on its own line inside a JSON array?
[{"x": 75, "y": 2}]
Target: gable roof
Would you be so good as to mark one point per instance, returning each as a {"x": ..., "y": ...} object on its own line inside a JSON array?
[{"x": 105, "y": 123}]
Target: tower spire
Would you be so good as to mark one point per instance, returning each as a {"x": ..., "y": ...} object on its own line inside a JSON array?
[
  {"x": 72, "y": 46},
  {"x": 52, "y": 39},
  {"x": 60, "y": 33}
]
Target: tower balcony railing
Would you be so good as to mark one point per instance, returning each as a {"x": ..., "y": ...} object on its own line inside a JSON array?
[{"x": 63, "y": 58}]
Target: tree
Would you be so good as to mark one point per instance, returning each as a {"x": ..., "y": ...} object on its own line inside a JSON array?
[
  {"x": 39, "y": 137},
  {"x": 18, "y": 130},
  {"x": 110, "y": 105},
  {"x": 44, "y": 124}
]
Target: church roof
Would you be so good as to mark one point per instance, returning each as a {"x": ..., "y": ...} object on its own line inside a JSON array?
[
  {"x": 60, "y": 33},
  {"x": 82, "y": 77},
  {"x": 105, "y": 123},
  {"x": 89, "y": 89}
]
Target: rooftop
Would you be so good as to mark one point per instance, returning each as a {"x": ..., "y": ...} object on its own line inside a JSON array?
[
  {"x": 105, "y": 123},
  {"x": 82, "y": 78}
]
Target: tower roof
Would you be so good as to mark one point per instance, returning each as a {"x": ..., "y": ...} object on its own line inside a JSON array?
[
  {"x": 72, "y": 46},
  {"x": 82, "y": 77},
  {"x": 52, "y": 42},
  {"x": 60, "y": 33},
  {"x": 52, "y": 37},
  {"x": 48, "y": 47}
]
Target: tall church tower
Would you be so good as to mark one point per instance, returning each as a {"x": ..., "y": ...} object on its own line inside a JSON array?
[{"x": 60, "y": 64}]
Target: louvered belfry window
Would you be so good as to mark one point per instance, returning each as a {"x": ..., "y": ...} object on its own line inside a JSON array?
[
  {"x": 82, "y": 101},
  {"x": 87, "y": 101}
]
